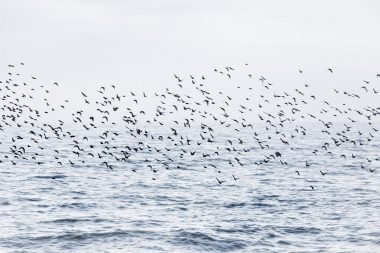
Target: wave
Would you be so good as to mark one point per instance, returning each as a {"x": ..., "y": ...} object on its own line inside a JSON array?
[{"x": 205, "y": 242}]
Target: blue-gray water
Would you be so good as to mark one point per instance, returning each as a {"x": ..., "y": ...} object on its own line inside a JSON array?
[{"x": 270, "y": 208}]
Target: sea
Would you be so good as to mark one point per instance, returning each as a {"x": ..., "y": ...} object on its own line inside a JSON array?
[{"x": 179, "y": 205}]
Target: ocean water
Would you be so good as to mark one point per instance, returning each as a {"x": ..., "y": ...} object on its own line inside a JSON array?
[{"x": 86, "y": 207}]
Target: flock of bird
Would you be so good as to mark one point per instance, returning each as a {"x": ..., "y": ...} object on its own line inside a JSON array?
[{"x": 187, "y": 122}]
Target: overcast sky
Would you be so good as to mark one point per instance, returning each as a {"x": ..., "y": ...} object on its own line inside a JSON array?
[{"x": 141, "y": 43}]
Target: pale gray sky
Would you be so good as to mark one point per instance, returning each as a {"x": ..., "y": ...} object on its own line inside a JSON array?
[{"x": 139, "y": 44}]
